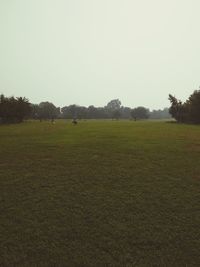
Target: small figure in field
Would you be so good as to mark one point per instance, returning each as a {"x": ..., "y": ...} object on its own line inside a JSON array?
[
  {"x": 74, "y": 122},
  {"x": 52, "y": 121}
]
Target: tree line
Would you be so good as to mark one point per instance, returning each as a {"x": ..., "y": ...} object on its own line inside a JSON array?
[
  {"x": 113, "y": 110},
  {"x": 13, "y": 110},
  {"x": 16, "y": 109}
]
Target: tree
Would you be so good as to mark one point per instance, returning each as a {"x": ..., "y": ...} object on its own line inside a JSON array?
[
  {"x": 188, "y": 112},
  {"x": 47, "y": 110},
  {"x": 73, "y": 112},
  {"x": 140, "y": 113},
  {"x": 114, "y": 104},
  {"x": 177, "y": 109},
  {"x": 92, "y": 112},
  {"x": 193, "y": 107},
  {"x": 23, "y": 108},
  {"x": 14, "y": 110},
  {"x": 113, "y": 108}
]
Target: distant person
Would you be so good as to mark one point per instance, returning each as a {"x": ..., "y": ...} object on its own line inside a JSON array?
[
  {"x": 52, "y": 121},
  {"x": 74, "y": 121}
]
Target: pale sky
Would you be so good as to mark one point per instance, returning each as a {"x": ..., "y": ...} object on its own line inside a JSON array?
[{"x": 91, "y": 51}]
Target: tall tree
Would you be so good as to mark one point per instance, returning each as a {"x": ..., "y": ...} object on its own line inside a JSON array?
[
  {"x": 140, "y": 113},
  {"x": 48, "y": 110},
  {"x": 114, "y": 104},
  {"x": 193, "y": 107},
  {"x": 177, "y": 109},
  {"x": 113, "y": 108},
  {"x": 188, "y": 112}
]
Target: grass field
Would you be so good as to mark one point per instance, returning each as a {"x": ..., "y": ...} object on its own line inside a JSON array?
[{"x": 102, "y": 193}]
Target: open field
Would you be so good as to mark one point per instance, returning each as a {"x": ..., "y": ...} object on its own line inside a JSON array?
[{"x": 102, "y": 193}]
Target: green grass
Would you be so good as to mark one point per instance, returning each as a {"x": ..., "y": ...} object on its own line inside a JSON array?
[{"x": 102, "y": 193}]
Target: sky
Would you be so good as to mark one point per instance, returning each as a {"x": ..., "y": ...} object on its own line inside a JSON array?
[{"x": 88, "y": 52}]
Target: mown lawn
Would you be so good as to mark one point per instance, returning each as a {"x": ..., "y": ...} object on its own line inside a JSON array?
[{"x": 102, "y": 193}]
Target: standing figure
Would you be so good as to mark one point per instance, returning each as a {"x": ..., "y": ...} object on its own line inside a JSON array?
[{"x": 74, "y": 121}]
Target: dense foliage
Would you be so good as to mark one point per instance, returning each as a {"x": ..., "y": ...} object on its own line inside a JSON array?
[
  {"x": 140, "y": 113},
  {"x": 44, "y": 111},
  {"x": 187, "y": 112},
  {"x": 113, "y": 110},
  {"x": 13, "y": 110}
]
